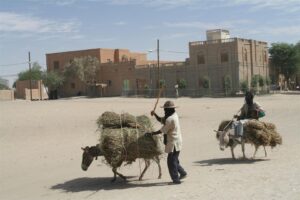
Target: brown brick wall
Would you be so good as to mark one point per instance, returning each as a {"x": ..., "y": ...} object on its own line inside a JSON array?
[
  {"x": 64, "y": 57},
  {"x": 38, "y": 90},
  {"x": 111, "y": 68},
  {"x": 245, "y": 59},
  {"x": 237, "y": 58}
]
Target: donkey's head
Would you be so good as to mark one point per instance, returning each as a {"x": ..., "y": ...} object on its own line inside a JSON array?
[
  {"x": 89, "y": 153},
  {"x": 223, "y": 134},
  {"x": 224, "y": 139}
]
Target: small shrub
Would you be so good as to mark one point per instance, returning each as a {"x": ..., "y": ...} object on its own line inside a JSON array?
[
  {"x": 244, "y": 86},
  {"x": 206, "y": 82},
  {"x": 227, "y": 85},
  {"x": 162, "y": 83},
  {"x": 182, "y": 84}
]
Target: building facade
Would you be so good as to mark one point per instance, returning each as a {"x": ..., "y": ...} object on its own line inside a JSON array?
[
  {"x": 236, "y": 58},
  {"x": 115, "y": 72},
  {"x": 122, "y": 72},
  {"x": 37, "y": 91}
]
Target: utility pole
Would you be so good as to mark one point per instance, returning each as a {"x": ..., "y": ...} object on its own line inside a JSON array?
[
  {"x": 158, "y": 75},
  {"x": 30, "y": 86}
]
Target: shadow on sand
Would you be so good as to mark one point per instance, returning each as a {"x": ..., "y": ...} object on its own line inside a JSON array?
[
  {"x": 228, "y": 161},
  {"x": 101, "y": 183}
]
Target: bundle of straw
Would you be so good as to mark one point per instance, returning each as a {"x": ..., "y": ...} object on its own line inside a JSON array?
[
  {"x": 114, "y": 120},
  {"x": 262, "y": 133},
  {"x": 257, "y": 132},
  {"x": 124, "y": 142}
]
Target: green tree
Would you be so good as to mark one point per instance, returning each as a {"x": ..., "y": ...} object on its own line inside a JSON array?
[
  {"x": 206, "y": 82},
  {"x": 52, "y": 80},
  {"x": 244, "y": 86},
  {"x": 147, "y": 90},
  {"x": 297, "y": 47},
  {"x": 268, "y": 80},
  {"x": 261, "y": 81},
  {"x": 182, "y": 84},
  {"x": 162, "y": 83},
  {"x": 285, "y": 58},
  {"x": 36, "y": 73},
  {"x": 85, "y": 68},
  {"x": 227, "y": 85},
  {"x": 254, "y": 83},
  {"x": 3, "y": 85}
]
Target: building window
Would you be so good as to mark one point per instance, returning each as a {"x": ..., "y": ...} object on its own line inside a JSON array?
[
  {"x": 265, "y": 56},
  {"x": 73, "y": 85},
  {"x": 224, "y": 57},
  {"x": 56, "y": 65},
  {"x": 126, "y": 84},
  {"x": 200, "y": 59},
  {"x": 245, "y": 56}
]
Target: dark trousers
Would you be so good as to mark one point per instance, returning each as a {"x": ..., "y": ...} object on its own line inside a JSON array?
[{"x": 174, "y": 166}]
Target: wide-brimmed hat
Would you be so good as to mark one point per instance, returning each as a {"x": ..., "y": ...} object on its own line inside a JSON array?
[{"x": 169, "y": 104}]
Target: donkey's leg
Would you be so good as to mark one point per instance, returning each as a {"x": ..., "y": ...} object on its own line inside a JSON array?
[
  {"x": 265, "y": 151},
  {"x": 256, "y": 147},
  {"x": 117, "y": 173},
  {"x": 243, "y": 148},
  {"x": 232, "y": 152},
  {"x": 147, "y": 164},
  {"x": 157, "y": 160}
]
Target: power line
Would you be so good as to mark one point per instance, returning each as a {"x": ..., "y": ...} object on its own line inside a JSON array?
[
  {"x": 4, "y": 65},
  {"x": 21, "y": 63},
  {"x": 9, "y": 75}
]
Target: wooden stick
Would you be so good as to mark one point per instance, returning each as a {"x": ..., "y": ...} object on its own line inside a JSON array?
[
  {"x": 232, "y": 119},
  {"x": 158, "y": 97}
]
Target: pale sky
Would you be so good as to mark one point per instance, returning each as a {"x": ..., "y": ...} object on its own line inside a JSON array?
[{"x": 46, "y": 26}]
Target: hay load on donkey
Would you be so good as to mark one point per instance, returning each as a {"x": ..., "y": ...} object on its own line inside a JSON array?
[
  {"x": 256, "y": 132},
  {"x": 122, "y": 139}
]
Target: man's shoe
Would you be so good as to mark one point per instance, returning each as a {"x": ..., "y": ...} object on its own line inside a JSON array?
[
  {"x": 175, "y": 182},
  {"x": 183, "y": 176}
]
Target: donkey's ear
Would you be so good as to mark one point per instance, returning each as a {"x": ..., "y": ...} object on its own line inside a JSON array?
[{"x": 82, "y": 148}]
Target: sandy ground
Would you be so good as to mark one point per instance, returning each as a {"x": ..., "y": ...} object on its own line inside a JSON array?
[{"x": 40, "y": 153}]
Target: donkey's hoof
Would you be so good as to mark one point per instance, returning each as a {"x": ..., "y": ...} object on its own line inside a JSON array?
[{"x": 113, "y": 180}]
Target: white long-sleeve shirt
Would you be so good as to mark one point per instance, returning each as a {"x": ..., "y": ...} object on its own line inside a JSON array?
[{"x": 173, "y": 131}]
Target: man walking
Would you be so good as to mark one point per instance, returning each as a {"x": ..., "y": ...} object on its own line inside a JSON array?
[{"x": 171, "y": 128}]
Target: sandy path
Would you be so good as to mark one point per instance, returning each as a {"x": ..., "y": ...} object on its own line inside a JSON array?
[{"x": 40, "y": 152}]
